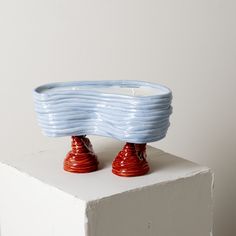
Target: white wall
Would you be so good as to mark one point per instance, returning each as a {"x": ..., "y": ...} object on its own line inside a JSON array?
[{"x": 188, "y": 45}]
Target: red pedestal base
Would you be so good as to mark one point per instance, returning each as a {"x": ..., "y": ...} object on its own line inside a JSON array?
[
  {"x": 131, "y": 161},
  {"x": 81, "y": 159}
]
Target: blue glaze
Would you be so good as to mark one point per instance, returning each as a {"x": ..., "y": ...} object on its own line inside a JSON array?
[{"x": 91, "y": 108}]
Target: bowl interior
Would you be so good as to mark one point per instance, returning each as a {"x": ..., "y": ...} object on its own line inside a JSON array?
[{"x": 122, "y": 89}]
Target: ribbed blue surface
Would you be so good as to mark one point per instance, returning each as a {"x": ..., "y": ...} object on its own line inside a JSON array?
[{"x": 80, "y": 108}]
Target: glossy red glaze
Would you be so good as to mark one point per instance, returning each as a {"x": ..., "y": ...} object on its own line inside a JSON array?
[
  {"x": 131, "y": 161},
  {"x": 81, "y": 159}
]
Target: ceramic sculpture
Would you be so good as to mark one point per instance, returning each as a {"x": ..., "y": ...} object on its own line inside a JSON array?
[{"x": 136, "y": 112}]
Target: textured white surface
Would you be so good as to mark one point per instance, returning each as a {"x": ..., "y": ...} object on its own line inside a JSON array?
[
  {"x": 29, "y": 207},
  {"x": 39, "y": 198}
]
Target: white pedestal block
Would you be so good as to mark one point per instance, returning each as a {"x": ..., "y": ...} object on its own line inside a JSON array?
[{"x": 38, "y": 198}]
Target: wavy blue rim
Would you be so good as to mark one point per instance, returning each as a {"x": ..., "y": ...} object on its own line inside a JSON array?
[{"x": 38, "y": 91}]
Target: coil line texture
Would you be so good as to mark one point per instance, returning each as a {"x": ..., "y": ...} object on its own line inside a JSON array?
[{"x": 127, "y": 110}]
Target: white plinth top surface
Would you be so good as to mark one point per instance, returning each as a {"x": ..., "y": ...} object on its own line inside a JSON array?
[{"x": 47, "y": 166}]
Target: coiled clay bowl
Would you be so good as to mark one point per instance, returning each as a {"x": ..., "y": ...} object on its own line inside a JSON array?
[{"x": 136, "y": 112}]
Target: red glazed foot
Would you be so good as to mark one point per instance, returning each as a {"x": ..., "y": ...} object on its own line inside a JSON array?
[
  {"x": 81, "y": 159},
  {"x": 131, "y": 161}
]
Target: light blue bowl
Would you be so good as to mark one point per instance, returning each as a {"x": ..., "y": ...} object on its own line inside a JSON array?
[{"x": 132, "y": 111}]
